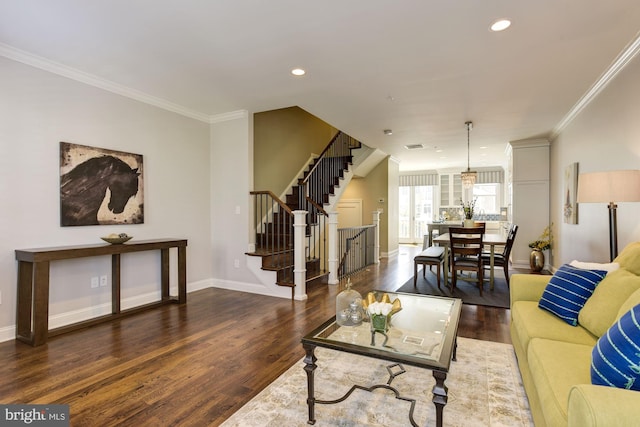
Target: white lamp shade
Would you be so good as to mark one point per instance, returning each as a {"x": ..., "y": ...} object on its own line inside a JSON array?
[{"x": 607, "y": 187}]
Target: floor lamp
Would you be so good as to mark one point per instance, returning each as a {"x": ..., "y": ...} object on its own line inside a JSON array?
[{"x": 610, "y": 187}]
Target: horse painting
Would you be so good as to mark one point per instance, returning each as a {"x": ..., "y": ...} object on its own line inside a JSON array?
[{"x": 84, "y": 188}]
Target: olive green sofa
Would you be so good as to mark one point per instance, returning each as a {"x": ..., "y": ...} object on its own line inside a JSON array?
[{"x": 555, "y": 358}]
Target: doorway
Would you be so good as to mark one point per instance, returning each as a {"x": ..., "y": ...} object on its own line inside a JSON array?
[{"x": 415, "y": 212}]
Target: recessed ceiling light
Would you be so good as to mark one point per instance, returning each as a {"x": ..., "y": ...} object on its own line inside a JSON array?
[
  {"x": 298, "y": 72},
  {"x": 388, "y": 132},
  {"x": 500, "y": 25}
]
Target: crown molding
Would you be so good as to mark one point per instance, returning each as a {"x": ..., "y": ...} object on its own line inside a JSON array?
[
  {"x": 224, "y": 117},
  {"x": 89, "y": 79},
  {"x": 530, "y": 143},
  {"x": 629, "y": 52}
]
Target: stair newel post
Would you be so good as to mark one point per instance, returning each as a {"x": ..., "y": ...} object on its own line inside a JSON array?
[
  {"x": 299, "y": 264},
  {"x": 376, "y": 245},
  {"x": 333, "y": 248}
]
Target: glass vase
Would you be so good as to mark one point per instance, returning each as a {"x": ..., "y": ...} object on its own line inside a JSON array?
[
  {"x": 379, "y": 323},
  {"x": 349, "y": 311}
]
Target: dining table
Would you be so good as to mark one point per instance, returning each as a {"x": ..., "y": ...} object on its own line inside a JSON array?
[{"x": 488, "y": 239}]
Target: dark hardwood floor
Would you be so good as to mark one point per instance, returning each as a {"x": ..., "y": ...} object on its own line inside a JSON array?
[{"x": 193, "y": 365}]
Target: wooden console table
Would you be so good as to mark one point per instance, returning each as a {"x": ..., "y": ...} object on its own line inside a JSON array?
[{"x": 32, "y": 317}]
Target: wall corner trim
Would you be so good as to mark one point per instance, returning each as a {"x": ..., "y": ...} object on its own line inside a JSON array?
[
  {"x": 627, "y": 54},
  {"x": 95, "y": 81}
]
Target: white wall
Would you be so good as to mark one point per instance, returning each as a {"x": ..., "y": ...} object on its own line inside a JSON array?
[
  {"x": 231, "y": 182},
  {"x": 604, "y": 136},
  {"x": 39, "y": 109},
  {"x": 530, "y": 203}
]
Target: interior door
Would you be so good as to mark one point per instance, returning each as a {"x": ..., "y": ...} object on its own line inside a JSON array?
[{"x": 349, "y": 213}]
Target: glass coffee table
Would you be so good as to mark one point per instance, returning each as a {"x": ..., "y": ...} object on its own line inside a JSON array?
[{"x": 422, "y": 334}]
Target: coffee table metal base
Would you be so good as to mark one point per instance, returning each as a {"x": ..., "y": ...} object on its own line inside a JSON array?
[{"x": 439, "y": 389}]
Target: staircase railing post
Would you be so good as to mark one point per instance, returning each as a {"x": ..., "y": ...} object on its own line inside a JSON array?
[
  {"x": 299, "y": 256},
  {"x": 333, "y": 248},
  {"x": 376, "y": 245}
]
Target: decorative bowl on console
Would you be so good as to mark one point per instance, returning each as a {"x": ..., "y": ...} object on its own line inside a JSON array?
[{"x": 117, "y": 239}]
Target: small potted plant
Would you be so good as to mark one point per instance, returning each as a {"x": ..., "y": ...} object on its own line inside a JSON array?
[
  {"x": 542, "y": 243},
  {"x": 468, "y": 209}
]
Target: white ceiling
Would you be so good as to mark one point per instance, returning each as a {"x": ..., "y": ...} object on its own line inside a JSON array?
[{"x": 419, "y": 67}]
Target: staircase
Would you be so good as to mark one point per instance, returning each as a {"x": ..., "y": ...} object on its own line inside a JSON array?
[{"x": 274, "y": 223}]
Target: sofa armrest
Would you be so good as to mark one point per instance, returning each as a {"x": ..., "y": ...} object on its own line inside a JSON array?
[
  {"x": 594, "y": 405},
  {"x": 527, "y": 287}
]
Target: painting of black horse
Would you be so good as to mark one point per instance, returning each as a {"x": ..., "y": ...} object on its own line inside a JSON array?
[{"x": 99, "y": 186}]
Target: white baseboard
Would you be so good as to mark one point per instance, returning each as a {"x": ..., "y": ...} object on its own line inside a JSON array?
[
  {"x": 7, "y": 333},
  {"x": 255, "y": 288},
  {"x": 391, "y": 254}
]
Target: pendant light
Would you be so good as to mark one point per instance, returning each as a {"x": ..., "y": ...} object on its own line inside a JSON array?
[{"x": 468, "y": 176}]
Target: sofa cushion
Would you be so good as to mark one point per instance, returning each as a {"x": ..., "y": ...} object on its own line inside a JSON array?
[
  {"x": 616, "y": 356},
  {"x": 632, "y": 301},
  {"x": 568, "y": 291},
  {"x": 629, "y": 258},
  {"x": 529, "y": 321},
  {"x": 555, "y": 368},
  {"x": 596, "y": 406},
  {"x": 601, "y": 309}
]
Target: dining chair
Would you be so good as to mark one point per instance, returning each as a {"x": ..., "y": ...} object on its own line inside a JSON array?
[
  {"x": 481, "y": 226},
  {"x": 465, "y": 246},
  {"x": 502, "y": 259}
]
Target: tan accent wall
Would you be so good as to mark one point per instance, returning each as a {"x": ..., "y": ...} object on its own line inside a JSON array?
[
  {"x": 375, "y": 186},
  {"x": 283, "y": 142},
  {"x": 392, "y": 206}
]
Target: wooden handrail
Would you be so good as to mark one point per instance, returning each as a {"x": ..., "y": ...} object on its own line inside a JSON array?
[
  {"x": 282, "y": 204},
  {"x": 322, "y": 155},
  {"x": 348, "y": 243},
  {"x": 348, "y": 248},
  {"x": 317, "y": 206}
]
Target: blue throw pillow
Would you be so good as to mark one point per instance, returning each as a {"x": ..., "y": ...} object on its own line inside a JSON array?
[
  {"x": 615, "y": 360},
  {"x": 568, "y": 290}
]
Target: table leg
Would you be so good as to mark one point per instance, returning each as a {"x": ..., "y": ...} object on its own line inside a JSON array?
[
  {"x": 40, "y": 303},
  {"x": 491, "y": 264},
  {"x": 115, "y": 284},
  {"x": 309, "y": 367},
  {"x": 182, "y": 275},
  {"x": 439, "y": 395},
  {"x": 24, "y": 301},
  {"x": 164, "y": 274}
]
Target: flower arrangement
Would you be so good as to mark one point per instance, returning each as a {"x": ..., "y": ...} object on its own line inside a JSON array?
[
  {"x": 380, "y": 312},
  {"x": 543, "y": 242},
  {"x": 380, "y": 308},
  {"x": 468, "y": 208}
]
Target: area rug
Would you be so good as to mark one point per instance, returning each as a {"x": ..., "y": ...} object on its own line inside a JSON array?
[
  {"x": 485, "y": 389},
  {"x": 467, "y": 291}
]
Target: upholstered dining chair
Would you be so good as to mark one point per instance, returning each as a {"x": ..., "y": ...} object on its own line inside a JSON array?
[
  {"x": 465, "y": 246},
  {"x": 502, "y": 259}
]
